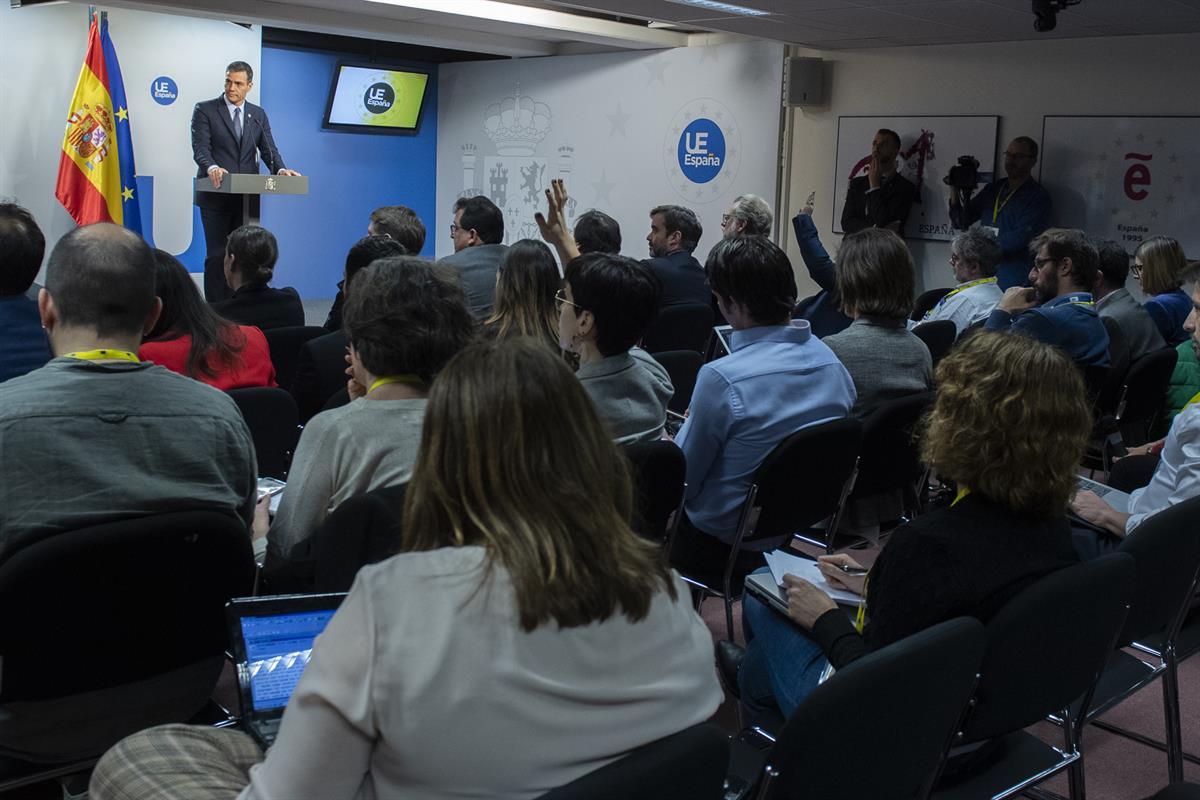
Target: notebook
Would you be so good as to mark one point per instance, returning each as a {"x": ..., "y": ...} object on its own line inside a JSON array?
[
  {"x": 272, "y": 641},
  {"x": 766, "y": 585},
  {"x": 1114, "y": 497}
]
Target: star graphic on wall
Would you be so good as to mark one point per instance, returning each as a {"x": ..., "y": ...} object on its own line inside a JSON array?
[
  {"x": 655, "y": 71},
  {"x": 1114, "y": 212},
  {"x": 1160, "y": 144},
  {"x": 1141, "y": 137},
  {"x": 1170, "y": 198},
  {"x": 1119, "y": 143},
  {"x": 1103, "y": 156},
  {"x": 1153, "y": 215},
  {"x": 122, "y": 114},
  {"x": 703, "y": 109},
  {"x": 602, "y": 188},
  {"x": 617, "y": 120},
  {"x": 1178, "y": 179},
  {"x": 699, "y": 193},
  {"x": 1172, "y": 158},
  {"x": 719, "y": 115},
  {"x": 126, "y": 193}
]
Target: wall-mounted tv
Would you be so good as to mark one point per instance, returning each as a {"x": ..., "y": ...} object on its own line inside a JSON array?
[{"x": 374, "y": 99}]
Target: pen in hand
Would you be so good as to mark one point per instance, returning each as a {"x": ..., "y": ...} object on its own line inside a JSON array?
[{"x": 849, "y": 570}]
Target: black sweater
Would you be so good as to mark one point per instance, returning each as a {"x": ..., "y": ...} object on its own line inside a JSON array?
[{"x": 966, "y": 560}]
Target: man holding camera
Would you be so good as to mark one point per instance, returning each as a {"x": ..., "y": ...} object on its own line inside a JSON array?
[{"x": 1016, "y": 208}]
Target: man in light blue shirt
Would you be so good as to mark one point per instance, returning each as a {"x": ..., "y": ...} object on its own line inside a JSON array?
[{"x": 778, "y": 379}]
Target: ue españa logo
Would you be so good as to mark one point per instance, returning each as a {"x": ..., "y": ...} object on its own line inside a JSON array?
[{"x": 701, "y": 150}]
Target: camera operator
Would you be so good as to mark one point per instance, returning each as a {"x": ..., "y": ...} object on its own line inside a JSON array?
[{"x": 1016, "y": 208}]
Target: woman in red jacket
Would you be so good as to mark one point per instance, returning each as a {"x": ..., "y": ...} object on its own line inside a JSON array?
[{"x": 192, "y": 339}]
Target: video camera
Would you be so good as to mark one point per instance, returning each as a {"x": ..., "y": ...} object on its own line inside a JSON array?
[{"x": 964, "y": 176}]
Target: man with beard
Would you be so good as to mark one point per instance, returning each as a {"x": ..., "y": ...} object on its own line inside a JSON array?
[
  {"x": 1058, "y": 309},
  {"x": 674, "y": 233}
]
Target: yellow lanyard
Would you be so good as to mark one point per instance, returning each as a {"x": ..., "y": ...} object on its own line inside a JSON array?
[
  {"x": 1072, "y": 301},
  {"x": 1195, "y": 399},
  {"x": 953, "y": 292},
  {"x": 997, "y": 206},
  {"x": 104, "y": 355},
  {"x": 860, "y": 619},
  {"x": 963, "y": 491},
  {"x": 411, "y": 380}
]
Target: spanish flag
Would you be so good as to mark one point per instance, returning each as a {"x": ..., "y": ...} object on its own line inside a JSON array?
[{"x": 96, "y": 172}]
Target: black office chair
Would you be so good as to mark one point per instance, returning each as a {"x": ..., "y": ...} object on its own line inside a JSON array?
[
  {"x": 1118, "y": 364},
  {"x": 285, "y": 346},
  {"x": 682, "y": 366},
  {"x": 1178, "y": 791},
  {"x": 658, "y": 471},
  {"x": 1045, "y": 650},
  {"x": 938, "y": 336},
  {"x": 116, "y": 604},
  {"x": 689, "y": 765},
  {"x": 274, "y": 425},
  {"x": 1166, "y": 551},
  {"x": 801, "y": 482},
  {"x": 685, "y": 326},
  {"x": 877, "y": 728},
  {"x": 890, "y": 458},
  {"x": 1140, "y": 409},
  {"x": 926, "y": 301},
  {"x": 362, "y": 530}
]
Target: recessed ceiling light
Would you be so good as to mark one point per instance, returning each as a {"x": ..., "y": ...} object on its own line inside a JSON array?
[{"x": 728, "y": 8}]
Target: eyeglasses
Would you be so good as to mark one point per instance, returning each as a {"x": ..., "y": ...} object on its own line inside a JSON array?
[
  {"x": 454, "y": 229},
  {"x": 560, "y": 298},
  {"x": 1038, "y": 263},
  {"x": 1136, "y": 270},
  {"x": 954, "y": 259},
  {"x": 725, "y": 219}
]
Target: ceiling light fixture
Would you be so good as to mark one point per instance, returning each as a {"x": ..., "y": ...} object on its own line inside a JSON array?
[{"x": 728, "y": 8}]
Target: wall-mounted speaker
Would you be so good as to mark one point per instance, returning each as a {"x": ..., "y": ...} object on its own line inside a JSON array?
[{"x": 804, "y": 82}]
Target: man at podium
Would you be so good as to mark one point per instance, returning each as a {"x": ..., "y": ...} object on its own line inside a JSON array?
[{"x": 228, "y": 134}]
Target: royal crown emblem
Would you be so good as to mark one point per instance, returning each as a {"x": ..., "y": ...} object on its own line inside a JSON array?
[
  {"x": 517, "y": 124},
  {"x": 269, "y": 184}
]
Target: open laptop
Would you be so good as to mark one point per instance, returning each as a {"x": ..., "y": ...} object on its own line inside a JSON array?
[
  {"x": 272, "y": 641},
  {"x": 1114, "y": 497}
]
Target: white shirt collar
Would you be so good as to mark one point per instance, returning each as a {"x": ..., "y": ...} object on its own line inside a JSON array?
[{"x": 229, "y": 107}]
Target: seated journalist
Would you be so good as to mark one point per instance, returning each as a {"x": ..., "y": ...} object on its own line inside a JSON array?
[
  {"x": 1014, "y": 462},
  {"x": 523, "y": 637}
]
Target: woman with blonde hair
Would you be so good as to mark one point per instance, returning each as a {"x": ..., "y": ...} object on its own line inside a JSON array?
[
  {"x": 1160, "y": 266},
  {"x": 523, "y": 637},
  {"x": 1009, "y": 424},
  {"x": 526, "y": 283}
]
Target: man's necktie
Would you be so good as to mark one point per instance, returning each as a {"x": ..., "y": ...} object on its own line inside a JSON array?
[{"x": 237, "y": 123}]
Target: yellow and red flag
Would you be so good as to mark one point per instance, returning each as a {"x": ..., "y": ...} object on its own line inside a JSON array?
[{"x": 96, "y": 170}]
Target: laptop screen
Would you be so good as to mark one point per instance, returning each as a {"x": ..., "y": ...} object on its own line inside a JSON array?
[{"x": 278, "y": 647}]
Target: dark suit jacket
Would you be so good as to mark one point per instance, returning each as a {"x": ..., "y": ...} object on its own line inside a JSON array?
[
  {"x": 682, "y": 277},
  {"x": 875, "y": 209},
  {"x": 213, "y": 142},
  {"x": 260, "y": 305},
  {"x": 320, "y": 373}
]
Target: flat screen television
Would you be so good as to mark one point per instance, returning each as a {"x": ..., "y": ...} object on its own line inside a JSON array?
[{"x": 374, "y": 99}]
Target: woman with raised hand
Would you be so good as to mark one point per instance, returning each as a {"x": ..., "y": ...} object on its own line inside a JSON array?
[{"x": 523, "y": 637}]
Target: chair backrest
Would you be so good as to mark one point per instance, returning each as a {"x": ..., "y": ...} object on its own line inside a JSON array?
[
  {"x": 285, "y": 349},
  {"x": 938, "y": 336},
  {"x": 890, "y": 454},
  {"x": 682, "y": 366},
  {"x": 1166, "y": 553},
  {"x": 658, "y": 472},
  {"x": 362, "y": 530},
  {"x": 880, "y": 726},
  {"x": 927, "y": 300},
  {"x": 1118, "y": 360},
  {"x": 683, "y": 326},
  {"x": 1145, "y": 392},
  {"x": 273, "y": 421},
  {"x": 1048, "y": 644},
  {"x": 688, "y": 765},
  {"x": 115, "y": 603},
  {"x": 801, "y": 481}
]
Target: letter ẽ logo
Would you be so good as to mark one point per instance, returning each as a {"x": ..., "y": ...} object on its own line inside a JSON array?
[
  {"x": 701, "y": 150},
  {"x": 164, "y": 91},
  {"x": 379, "y": 98}
]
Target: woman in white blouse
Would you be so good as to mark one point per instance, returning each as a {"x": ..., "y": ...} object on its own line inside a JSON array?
[{"x": 524, "y": 637}]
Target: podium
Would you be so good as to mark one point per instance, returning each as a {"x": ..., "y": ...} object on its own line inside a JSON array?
[{"x": 252, "y": 188}]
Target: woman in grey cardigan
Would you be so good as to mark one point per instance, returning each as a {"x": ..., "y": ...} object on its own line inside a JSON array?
[{"x": 875, "y": 280}]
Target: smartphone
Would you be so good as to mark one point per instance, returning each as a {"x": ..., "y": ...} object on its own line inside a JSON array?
[{"x": 269, "y": 486}]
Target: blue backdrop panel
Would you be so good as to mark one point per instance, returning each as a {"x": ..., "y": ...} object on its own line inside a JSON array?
[{"x": 349, "y": 173}]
